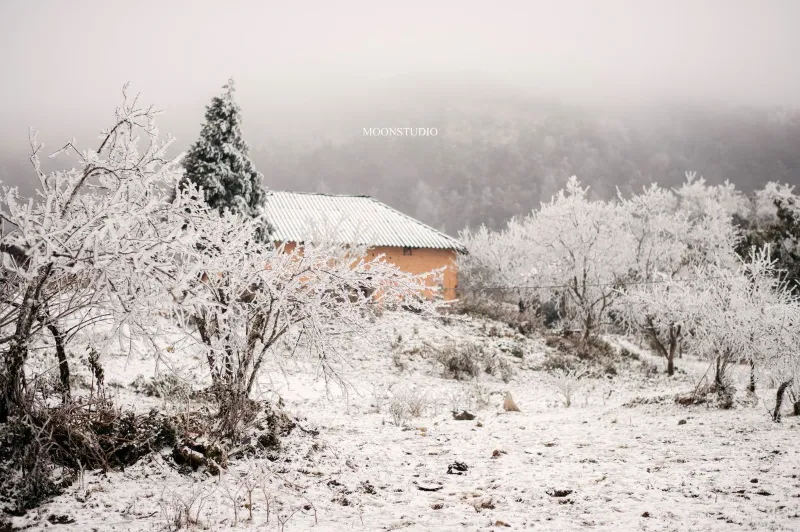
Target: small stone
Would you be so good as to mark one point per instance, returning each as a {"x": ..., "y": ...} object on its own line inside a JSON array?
[
  {"x": 457, "y": 468},
  {"x": 429, "y": 486},
  {"x": 508, "y": 403},
  {"x": 682, "y": 422},
  {"x": 484, "y": 504},
  {"x": 646, "y": 514},
  {"x": 754, "y": 481}
]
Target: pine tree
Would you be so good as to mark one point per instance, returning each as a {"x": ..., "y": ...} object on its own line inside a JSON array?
[{"x": 218, "y": 162}]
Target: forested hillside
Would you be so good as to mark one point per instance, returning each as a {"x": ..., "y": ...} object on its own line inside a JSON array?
[{"x": 496, "y": 158}]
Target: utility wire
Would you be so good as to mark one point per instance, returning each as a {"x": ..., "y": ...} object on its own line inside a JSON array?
[{"x": 618, "y": 283}]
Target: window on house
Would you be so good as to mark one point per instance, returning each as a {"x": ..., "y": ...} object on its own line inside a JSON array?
[{"x": 406, "y": 251}]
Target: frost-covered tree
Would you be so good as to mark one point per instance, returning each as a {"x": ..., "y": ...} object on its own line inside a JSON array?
[
  {"x": 497, "y": 262},
  {"x": 657, "y": 227},
  {"x": 582, "y": 253},
  {"x": 661, "y": 311},
  {"x": 771, "y": 325},
  {"x": 218, "y": 161},
  {"x": 69, "y": 254},
  {"x": 585, "y": 255},
  {"x": 697, "y": 197},
  {"x": 671, "y": 243},
  {"x": 242, "y": 301},
  {"x": 745, "y": 314},
  {"x": 573, "y": 251}
]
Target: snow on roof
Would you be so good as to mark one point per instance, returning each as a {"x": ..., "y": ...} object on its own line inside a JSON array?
[{"x": 295, "y": 216}]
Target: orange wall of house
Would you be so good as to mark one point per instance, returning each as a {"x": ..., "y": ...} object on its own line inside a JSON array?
[{"x": 421, "y": 260}]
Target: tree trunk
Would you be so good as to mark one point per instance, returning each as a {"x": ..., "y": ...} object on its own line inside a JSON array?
[
  {"x": 776, "y": 414},
  {"x": 583, "y": 346},
  {"x": 668, "y": 350},
  {"x": 12, "y": 380},
  {"x": 63, "y": 364},
  {"x": 674, "y": 335},
  {"x": 752, "y": 386},
  {"x": 12, "y": 376},
  {"x": 205, "y": 336},
  {"x": 3, "y": 401}
]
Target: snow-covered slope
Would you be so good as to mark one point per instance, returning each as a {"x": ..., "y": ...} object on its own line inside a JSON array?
[{"x": 360, "y": 460}]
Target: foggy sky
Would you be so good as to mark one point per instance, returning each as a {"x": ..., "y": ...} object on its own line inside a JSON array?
[{"x": 63, "y": 63}]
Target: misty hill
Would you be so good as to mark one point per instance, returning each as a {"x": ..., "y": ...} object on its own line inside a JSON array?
[{"x": 499, "y": 152}]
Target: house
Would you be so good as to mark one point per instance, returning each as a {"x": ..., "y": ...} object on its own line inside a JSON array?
[{"x": 408, "y": 243}]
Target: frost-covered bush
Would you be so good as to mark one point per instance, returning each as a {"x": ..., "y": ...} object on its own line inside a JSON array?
[
  {"x": 238, "y": 299},
  {"x": 499, "y": 366},
  {"x": 407, "y": 402},
  {"x": 469, "y": 360},
  {"x": 398, "y": 409},
  {"x": 558, "y": 361},
  {"x": 566, "y": 382},
  {"x": 166, "y": 386},
  {"x": 461, "y": 361}
]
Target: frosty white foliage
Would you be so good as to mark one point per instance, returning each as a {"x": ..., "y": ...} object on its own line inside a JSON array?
[
  {"x": 765, "y": 199},
  {"x": 582, "y": 247},
  {"x": 581, "y": 253},
  {"x": 659, "y": 231},
  {"x": 678, "y": 229},
  {"x": 495, "y": 260},
  {"x": 661, "y": 309},
  {"x": 66, "y": 253},
  {"x": 742, "y": 314},
  {"x": 407, "y": 402},
  {"x": 671, "y": 244},
  {"x": 572, "y": 250},
  {"x": 244, "y": 296},
  {"x": 742, "y": 311},
  {"x": 698, "y": 199}
]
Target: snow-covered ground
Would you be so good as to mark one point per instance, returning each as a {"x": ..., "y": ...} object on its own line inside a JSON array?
[{"x": 600, "y": 464}]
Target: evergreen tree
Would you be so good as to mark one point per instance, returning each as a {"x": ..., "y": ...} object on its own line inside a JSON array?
[{"x": 218, "y": 162}]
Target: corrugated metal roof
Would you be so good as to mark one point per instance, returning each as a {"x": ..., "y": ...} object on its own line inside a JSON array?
[{"x": 298, "y": 216}]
